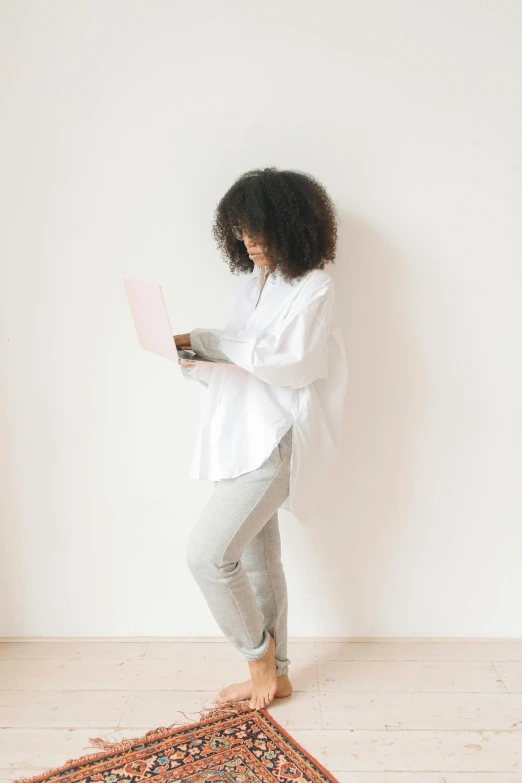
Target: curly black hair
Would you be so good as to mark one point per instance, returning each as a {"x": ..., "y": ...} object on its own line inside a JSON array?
[{"x": 288, "y": 213}]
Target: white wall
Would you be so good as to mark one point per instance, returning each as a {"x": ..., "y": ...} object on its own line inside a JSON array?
[{"x": 123, "y": 124}]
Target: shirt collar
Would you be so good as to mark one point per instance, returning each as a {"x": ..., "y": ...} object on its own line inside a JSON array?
[{"x": 257, "y": 273}]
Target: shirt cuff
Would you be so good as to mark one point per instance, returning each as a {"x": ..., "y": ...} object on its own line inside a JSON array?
[
  {"x": 205, "y": 342},
  {"x": 196, "y": 342}
]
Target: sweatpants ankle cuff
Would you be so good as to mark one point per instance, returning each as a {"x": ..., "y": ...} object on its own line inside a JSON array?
[{"x": 260, "y": 651}]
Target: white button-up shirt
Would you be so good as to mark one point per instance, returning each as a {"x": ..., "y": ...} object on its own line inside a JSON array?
[{"x": 289, "y": 370}]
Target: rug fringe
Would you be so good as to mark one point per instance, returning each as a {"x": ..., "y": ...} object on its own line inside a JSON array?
[
  {"x": 124, "y": 744},
  {"x": 229, "y": 709}
]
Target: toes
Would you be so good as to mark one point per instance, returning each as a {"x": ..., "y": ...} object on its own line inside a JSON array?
[
  {"x": 269, "y": 698},
  {"x": 261, "y": 700}
]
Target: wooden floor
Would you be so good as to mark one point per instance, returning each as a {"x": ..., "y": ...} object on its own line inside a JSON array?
[{"x": 385, "y": 711}]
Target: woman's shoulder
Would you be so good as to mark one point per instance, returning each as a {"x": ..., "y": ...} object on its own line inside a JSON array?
[
  {"x": 321, "y": 277},
  {"x": 317, "y": 280}
]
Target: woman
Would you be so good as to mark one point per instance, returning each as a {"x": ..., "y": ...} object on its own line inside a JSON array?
[{"x": 272, "y": 422}]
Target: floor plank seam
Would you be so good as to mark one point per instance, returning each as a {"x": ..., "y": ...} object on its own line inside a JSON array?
[
  {"x": 386, "y": 731},
  {"x": 124, "y": 708},
  {"x": 216, "y": 690},
  {"x": 501, "y": 678}
]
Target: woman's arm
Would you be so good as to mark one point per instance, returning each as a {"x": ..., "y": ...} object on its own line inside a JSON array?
[
  {"x": 193, "y": 371},
  {"x": 292, "y": 354}
]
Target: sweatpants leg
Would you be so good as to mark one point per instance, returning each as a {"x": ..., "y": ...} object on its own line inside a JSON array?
[
  {"x": 262, "y": 562},
  {"x": 237, "y": 564}
]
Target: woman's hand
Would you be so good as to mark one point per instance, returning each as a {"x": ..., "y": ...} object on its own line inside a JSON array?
[{"x": 183, "y": 342}]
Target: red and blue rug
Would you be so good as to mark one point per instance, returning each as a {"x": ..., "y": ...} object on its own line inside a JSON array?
[{"x": 229, "y": 744}]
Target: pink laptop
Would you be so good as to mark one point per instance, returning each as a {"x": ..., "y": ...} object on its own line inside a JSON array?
[{"x": 152, "y": 323}]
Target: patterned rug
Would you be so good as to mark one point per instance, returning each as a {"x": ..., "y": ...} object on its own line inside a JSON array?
[{"x": 228, "y": 744}]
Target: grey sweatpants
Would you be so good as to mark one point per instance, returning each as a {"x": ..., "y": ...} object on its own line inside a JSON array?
[{"x": 234, "y": 553}]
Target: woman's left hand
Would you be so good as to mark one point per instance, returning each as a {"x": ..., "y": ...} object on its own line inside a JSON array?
[{"x": 183, "y": 342}]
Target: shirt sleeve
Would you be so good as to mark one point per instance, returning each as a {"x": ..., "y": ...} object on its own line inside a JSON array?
[
  {"x": 200, "y": 372},
  {"x": 292, "y": 353}
]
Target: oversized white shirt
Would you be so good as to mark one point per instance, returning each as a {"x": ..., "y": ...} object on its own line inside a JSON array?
[{"x": 289, "y": 370}]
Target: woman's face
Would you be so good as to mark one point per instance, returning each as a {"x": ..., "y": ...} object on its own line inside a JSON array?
[{"x": 256, "y": 252}]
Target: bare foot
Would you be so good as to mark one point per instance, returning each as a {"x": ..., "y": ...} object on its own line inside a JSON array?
[{"x": 243, "y": 690}]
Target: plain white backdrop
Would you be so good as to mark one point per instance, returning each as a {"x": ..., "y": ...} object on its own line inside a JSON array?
[{"x": 123, "y": 124}]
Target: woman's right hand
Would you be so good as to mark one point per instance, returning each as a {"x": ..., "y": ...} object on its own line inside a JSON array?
[
  {"x": 184, "y": 363},
  {"x": 183, "y": 341}
]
